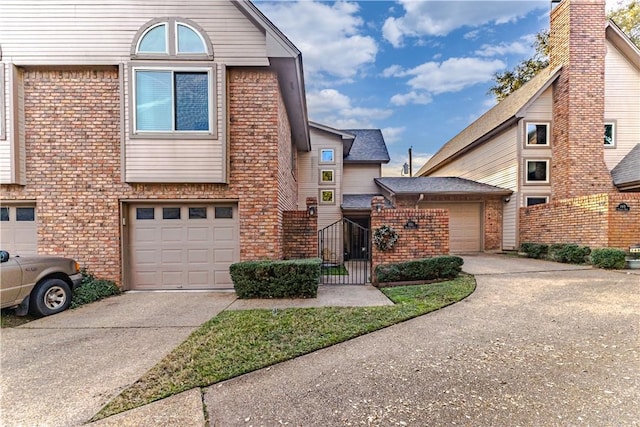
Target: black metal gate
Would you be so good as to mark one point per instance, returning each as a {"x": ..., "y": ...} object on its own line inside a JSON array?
[{"x": 344, "y": 247}]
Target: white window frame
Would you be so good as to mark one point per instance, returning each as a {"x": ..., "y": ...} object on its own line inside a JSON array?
[
  {"x": 195, "y": 30},
  {"x": 166, "y": 39},
  {"x": 211, "y": 102},
  {"x": 536, "y": 182},
  {"x": 333, "y": 176},
  {"x": 333, "y": 156},
  {"x": 613, "y": 134},
  {"x": 333, "y": 197},
  {"x": 526, "y": 134},
  {"x": 526, "y": 199}
]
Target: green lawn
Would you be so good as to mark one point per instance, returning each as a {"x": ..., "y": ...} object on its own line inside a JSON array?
[
  {"x": 337, "y": 270},
  {"x": 236, "y": 342}
]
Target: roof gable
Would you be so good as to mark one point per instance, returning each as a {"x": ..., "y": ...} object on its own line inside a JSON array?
[{"x": 367, "y": 147}]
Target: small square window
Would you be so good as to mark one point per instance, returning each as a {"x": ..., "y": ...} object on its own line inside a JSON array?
[
  {"x": 536, "y": 200},
  {"x": 145, "y": 213},
  {"x": 4, "y": 214},
  {"x": 327, "y": 197},
  {"x": 170, "y": 213},
  {"x": 25, "y": 214},
  {"x": 537, "y": 134},
  {"x": 609, "y": 135},
  {"x": 537, "y": 171},
  {"x": 198, "y": 213},
  {"x": 327, "y": 176},
  {"x": 224, "y": 212},
  {"x": 327, "y": 155}
]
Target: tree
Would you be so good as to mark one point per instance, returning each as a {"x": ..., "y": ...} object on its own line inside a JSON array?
[{"x": 627, "y": 17}]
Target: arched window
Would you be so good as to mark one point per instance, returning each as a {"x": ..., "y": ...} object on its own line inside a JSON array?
[{"x": 171, "y": 38}]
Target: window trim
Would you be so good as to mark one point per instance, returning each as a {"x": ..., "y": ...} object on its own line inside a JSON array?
[
  {"x": 211, "y": 71},
  {"x": 548, "y": 172},
  {"x": 534, "y": 196},
  {"x": 526, "y": 139},
  {"x": 3, "y": 104},
  {"x": 333, "y": 176},
  {"x": 327, "y": 190},
  {"x": 333, "y": 156},
  {"x": 614, "y": 126},
  {"x": 172, "y": 40}
]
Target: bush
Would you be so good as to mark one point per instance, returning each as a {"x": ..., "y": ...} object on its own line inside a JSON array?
[
  {"x": 534, "y": 250},
  {"x": 569, "y": 253},
  {"x": 438, "y": 268},
  {"x": 276, "y": 279},
  {"x": 609, "y": 258},
  {"x": 92, "y": 289}
]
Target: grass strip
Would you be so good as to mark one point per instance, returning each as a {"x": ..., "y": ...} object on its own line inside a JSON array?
[{"x": 237, "y": 342}]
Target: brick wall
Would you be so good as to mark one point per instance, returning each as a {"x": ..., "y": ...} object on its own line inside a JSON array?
[
  {"x": 431, "y": 238},
  {"x": 73, "y": 165},
  {"x": 577, "y": 42},
  {"x": 589, "y": 220},
  {"x": 301, "y": 232}
]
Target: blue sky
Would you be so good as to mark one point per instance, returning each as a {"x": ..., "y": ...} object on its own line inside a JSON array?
[{"x": 417, "y": 69}]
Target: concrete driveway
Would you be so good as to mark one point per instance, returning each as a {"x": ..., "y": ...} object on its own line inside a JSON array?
[
  {"x": 537, "y": 344},
  {"x": 60, "y": 370}
]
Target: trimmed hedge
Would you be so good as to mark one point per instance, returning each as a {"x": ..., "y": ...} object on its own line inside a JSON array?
[
  {"x": 534, "y": 250},
  {"x": 443, "y": 267},
  {"x": 569, "y": 253},
  {"x": 276, "y": 279},
  {"x": 609, "y": 258}
]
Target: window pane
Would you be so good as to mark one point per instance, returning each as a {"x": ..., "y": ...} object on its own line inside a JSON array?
[
  {"x": 326, "y": 155},
  {"x": 197, "y": 213},
  {"x": 170, "y": 213},
  {"x": 537, "y": 171},
  {"x": 154, "y": 41},
  {"x": 153, "y": 100},
  {"x": 326, "y": 175},
  {"x": 25, "y": 214},
  {"x": 536, "y": 134},
  {"x": 4, "y": 214},
  {"x": 189, "y": 41},
  {"x": 224, "y": 212},
  {"x": 192, "y": 101},
  {"x": 608, "y": 134},
  {"x": 532, "y": 201},
  {"x": 144, "y": 213}
]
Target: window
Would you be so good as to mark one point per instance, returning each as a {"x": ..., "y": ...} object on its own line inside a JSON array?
[
  {"x": 25, "y": 214},
  {"x": 4, "y": 214},
  {"x": 144, "y": 213},
  {"x": 327, "y": 155},
  {"x": 537, "y": 134},
  {"x": 170, "y": 213},
  {"x": 537, "y": 171},
  {"x": 174, "y": 38},
  {"x": 198, "y": 213},
  {"x": 224, "y": 212},
  {"x": 172, "y": 100},
  {"x": 609, "y": 135},
  {"x": 327, "y": 176},
  {"x": 327, "y": 197},
  {"x": 536, "y": 200}
]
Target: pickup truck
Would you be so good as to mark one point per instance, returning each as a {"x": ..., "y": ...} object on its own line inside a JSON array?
[{"x": 39, "y": 285}]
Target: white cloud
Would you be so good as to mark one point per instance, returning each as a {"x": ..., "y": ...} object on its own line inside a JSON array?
[
  {"x": 439, "y": 18},
  {"x": 504, "y": 48},
  {"x": 392, "y": 134},
  {"x": 413, "y": 97},
  {"x": 330, "y": 107},
  {"x": 329, "y": 36}
]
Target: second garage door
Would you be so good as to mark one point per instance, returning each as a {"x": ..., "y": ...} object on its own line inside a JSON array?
[
  {"x": 182, "y": 247},
  {"x": 465, "y": 225}
]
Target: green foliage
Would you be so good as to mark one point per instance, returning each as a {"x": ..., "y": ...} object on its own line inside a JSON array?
[
  {"x": 568, "y": 253},
  {"x": 609, "y": 258},
  {"x": 444, "y": 267},
  {"x": 627, "y": 17},
  {"x": 93, "y": 289},
  {"x": 276, "y": 279},
  {"x": 534, "y": 250}
]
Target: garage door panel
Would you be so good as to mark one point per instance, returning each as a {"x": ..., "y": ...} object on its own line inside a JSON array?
[
  {"x": 19, "y": 230},
  {"x": 198, "y": 256},
  {"x": 223, "y": 278},
  {"x": 172, "y": 234},
  {"x": 223, "y": 255},
  {"x": 465, "y": 225},
  {"x": 199, "y": 278},
  {"x": 198, "y": 234}
]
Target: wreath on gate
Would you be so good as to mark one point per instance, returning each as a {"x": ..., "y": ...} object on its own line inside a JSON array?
[{"x": 385, "y": 238}]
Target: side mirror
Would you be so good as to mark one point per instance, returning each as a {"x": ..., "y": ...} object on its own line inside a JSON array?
[{"x": 4, "y": 256}]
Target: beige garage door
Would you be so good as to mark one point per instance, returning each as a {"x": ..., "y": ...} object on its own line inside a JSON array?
[
  {"x": 19, "y": 230},
  {"x": 465, "y": 225},
  {"x": 182, "y": 247}
]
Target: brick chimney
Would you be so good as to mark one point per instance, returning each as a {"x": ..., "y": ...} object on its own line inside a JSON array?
[{"x": 577, "y": 42}]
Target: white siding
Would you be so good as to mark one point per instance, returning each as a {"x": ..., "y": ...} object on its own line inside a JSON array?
[
  {"x": 622, "y": 104},
  {"x": 5, "y": 137},
  {"x": 358, "y": 179},
  {"x": 12, "y": 146},
  {"x": 101, "y": 31}
]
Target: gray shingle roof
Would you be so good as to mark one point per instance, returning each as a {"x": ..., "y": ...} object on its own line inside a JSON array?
[
  {"x": 359, "y": 201},
  {"x": 438, "y": 185},
  {"x": 627, "y": 172},
  {"x": 368, "y": 147}
]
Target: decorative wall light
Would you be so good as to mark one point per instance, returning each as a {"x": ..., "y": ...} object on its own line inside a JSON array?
[{"x": 312, "y": 210}]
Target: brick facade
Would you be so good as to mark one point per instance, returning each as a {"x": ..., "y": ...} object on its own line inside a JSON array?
[
  {"x": 588, "y": 220},
  {"x": 577, "y": 43},
  {"x": 301, "y": 232},
  {"x": 73, "y": 161},
  {"x": 431, "y": 238}
]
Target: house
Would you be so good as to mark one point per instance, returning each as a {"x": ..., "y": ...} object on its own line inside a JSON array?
[
  {"x": 567, "y": 144},
  {"x": 158, "y": 143}
]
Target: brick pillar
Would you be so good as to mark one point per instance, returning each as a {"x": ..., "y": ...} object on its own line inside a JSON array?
[{"x": 577, "y": 42}]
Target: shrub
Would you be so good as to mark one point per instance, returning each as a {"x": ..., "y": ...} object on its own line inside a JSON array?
[
  {"x": 93, "y": 289},
  {"x": 609, "y": 258},
  {"x": 276, "y": 279},
  {"x": 444, "y": 267},
  {"x": 569, "y": 253},
  {"x": 534, "y": 250}
]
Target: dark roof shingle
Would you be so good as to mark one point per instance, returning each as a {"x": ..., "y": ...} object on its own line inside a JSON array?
[
  {"x": 368, "y": 147},
  {"x": 438, "y": 185},
  {"x": 627, "y": 172}
]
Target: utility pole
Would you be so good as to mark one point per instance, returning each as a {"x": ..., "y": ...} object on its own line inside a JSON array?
[{"x": 410, "y": 162}]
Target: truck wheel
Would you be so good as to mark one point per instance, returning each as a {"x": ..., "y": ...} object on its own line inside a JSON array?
[{"x": 50, "y": 297}]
